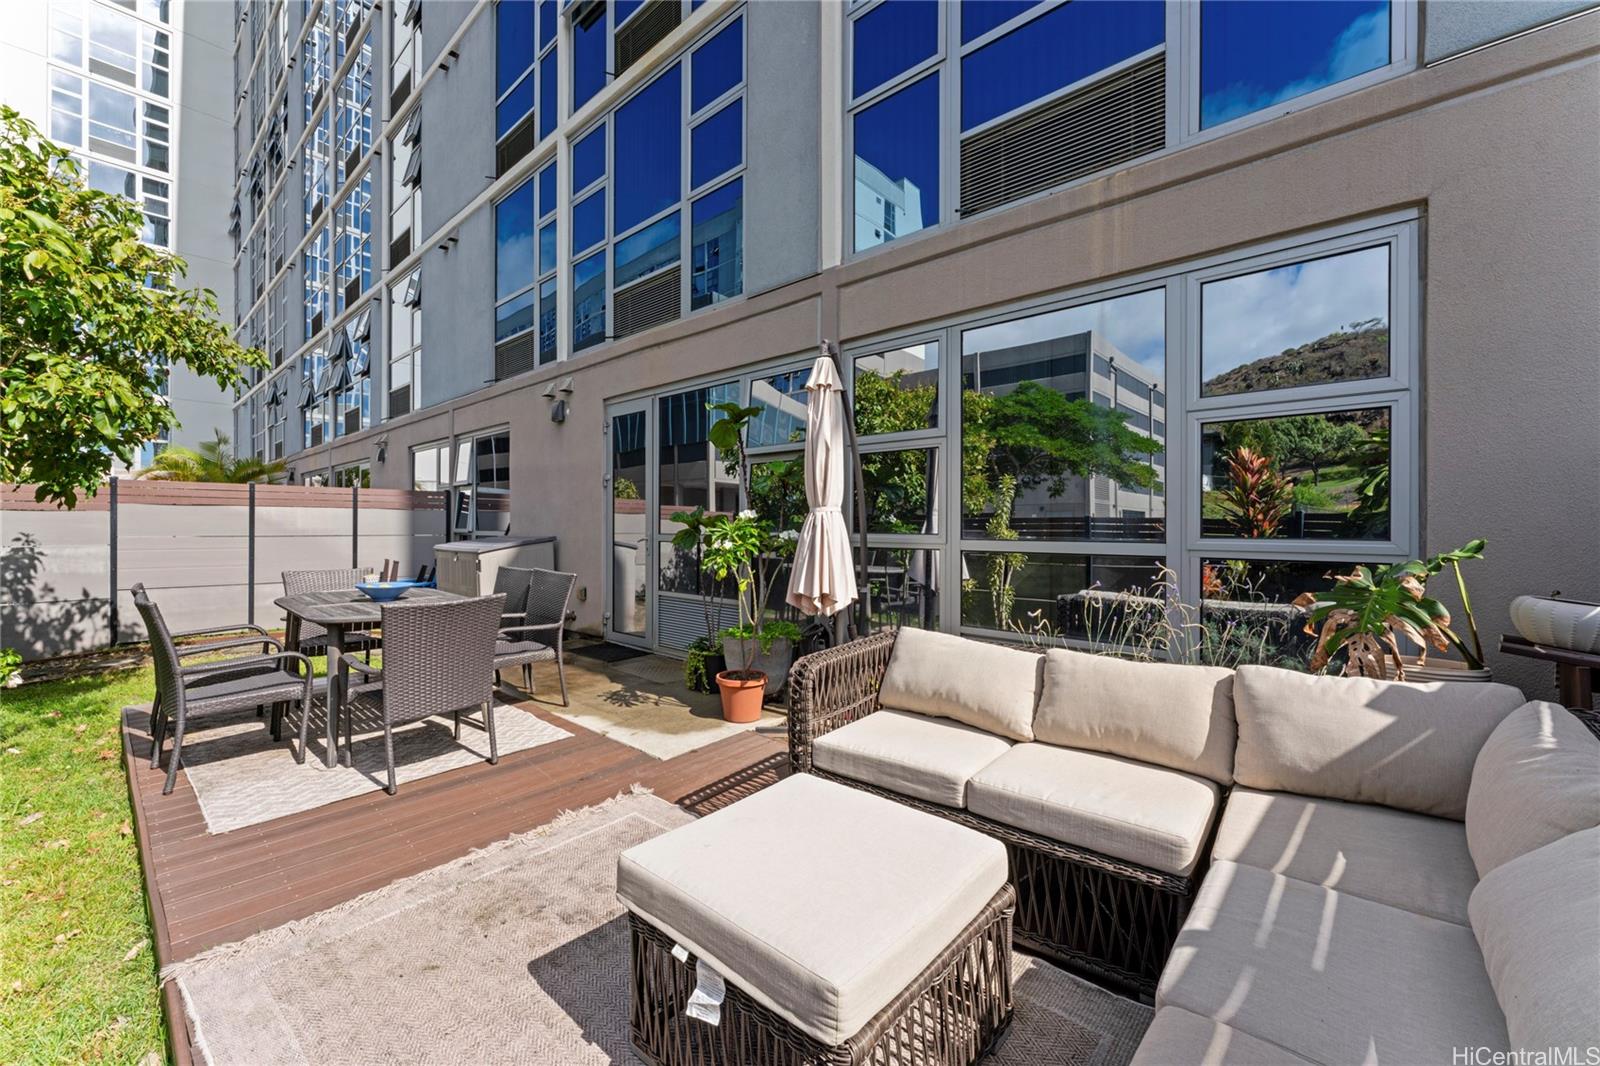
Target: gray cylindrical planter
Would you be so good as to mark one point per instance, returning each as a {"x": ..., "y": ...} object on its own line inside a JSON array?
[{"x": 774, "y": 663}]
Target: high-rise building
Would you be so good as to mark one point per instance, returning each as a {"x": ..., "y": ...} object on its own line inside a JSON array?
[
  {"x": 133, "y": 88},
  {"x": 513, "y": 250}
]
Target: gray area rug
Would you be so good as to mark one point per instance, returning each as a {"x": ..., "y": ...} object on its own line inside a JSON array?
[
  {"x": 518, "y": 953},
  {"x": 242, "y": 777}
]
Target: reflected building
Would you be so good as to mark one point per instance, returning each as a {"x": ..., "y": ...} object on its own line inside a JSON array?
[{"x": 885, "y": 209}]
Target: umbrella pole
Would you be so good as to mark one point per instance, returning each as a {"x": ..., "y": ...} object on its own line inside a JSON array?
[{"x": 863, "y": 590}]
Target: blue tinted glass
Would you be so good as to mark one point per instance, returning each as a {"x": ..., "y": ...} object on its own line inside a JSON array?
[
  {"x": 511, "y": 110},
  {"x": 514, "y": 316},
  {"x": 513, "y": 42},
  {"x": 547, "y": 22},
  {"x": 589, "y": 159},
  {"x": 897, "y": 164},
  {"x": 589, "y": 301},
  {"x": 513, "y": 241},
  {"x": 1063, "y": 45},
  {"x": 588, "y": 59},
  {"x": 624, "y": 8},
  {"x": 649, "y": 143},
  {"x": 717, "y": 253},
  {"x": 547, "y": 247},
  {"x": 651, "y": 249},
  {"x": 547, "y": 189},
  {"x": 549, "y": 108},
  {"x": 1257, "y": 54},
  {"x": 978, "y": 17},
  {"x": 891, "y": 38},
  {"x": 717, "y": 144},
  {"x": 589, "y": 221},
  {"x": 547, "y": 322},
  {"x": 718, "y": 65}
]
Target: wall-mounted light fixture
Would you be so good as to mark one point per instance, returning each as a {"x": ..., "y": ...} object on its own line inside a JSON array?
[
  {"x": 557, "y": 394},
  {"x": 382, "y": 453}
]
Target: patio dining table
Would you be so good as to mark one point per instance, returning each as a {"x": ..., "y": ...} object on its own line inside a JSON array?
[{"x": 338, "y": 612}]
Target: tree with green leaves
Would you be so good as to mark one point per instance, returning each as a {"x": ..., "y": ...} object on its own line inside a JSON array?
[
  {"x": 212, "y": 461},
  {"x": 90, "y": 318},
  {"x": 1300, "y": 441}
]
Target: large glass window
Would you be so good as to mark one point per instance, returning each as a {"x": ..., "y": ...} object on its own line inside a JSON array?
[
  {"x": 897, "y": 391},
  {"x": 315, "y": 264},
  {"x": 1309, "y": 323},
  {"x": 354, "y": 244},
  {"x": 717, "y": 66},
  {"x": 653, "y": 248},
  {"x": 513, "y": 64},
  {"x": 1074, "y": 596},
  {"x": 897, "y": 164},
  {"x": 588, "y": 302},
  {"x": 890, "y": 39},
  {"x": 355, "y": 111},
  {"x": 648, "y": 131},
  {"x": 405, "y": 344},
  {"x": 515, "y": 262},
  {"x": 717, "y": 145},
  {"x": 590, "y": 45},
  {"x": 782, "y": 399},
  {"x": 718, "y": 246},
  {"x": 1255, "y": 54}
]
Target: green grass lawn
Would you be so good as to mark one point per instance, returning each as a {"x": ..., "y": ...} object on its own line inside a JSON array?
[{"x": 77, "y": 969}]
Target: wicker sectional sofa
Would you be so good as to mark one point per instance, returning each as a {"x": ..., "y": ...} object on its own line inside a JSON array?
[{"x": 1293, "y": 868}]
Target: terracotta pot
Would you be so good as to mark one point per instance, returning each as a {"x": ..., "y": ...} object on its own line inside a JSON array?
[
  {"x": 741, "y": 698},
  {"x": 774, "y": 662}
]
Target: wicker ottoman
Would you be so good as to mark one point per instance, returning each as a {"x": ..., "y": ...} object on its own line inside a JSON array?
[{"x": 847, "y": 928}]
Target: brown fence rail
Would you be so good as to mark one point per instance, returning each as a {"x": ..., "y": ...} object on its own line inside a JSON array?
[{"x": 211, "y": 554}]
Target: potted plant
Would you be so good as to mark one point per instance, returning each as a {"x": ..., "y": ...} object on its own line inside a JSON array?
[
  {"x": 733, "y": 549},
  {"x": 1368, "y": 610}
]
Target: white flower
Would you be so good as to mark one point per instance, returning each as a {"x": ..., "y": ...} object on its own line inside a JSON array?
[
  {"x": 747, "y": 513},
  {"x": 789, "y": 534}
]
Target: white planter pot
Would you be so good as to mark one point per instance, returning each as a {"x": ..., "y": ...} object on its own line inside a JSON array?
[
  {"x": 774, "y": 662},
  {"x": 1437, "y": 669},
  {"x": 1558, "y": 623}
]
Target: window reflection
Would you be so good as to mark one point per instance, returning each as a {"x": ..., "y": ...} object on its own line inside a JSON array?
[
  {"x": 903, "y": 587},
  {"x": 1310, "y": 323},
  {"x": 717, "y": 254},
  {"x": 1311, "y": 476},
  {"x": 897, "y": 164},
  {"x": 897, "y": 391},
  {"x": 903, "y": 491},
  {"x": 891, "y": 39},
  {"x": 648, "y": 143},
  {"x": 689, "y": 474},
  {"x": 782, "y": 399},
  {"x": 717, "y": 144},
  {"x": 629, "y": 536},
  {"x": 1063, "y": 424},
  {"x": 589, "y": 301},
  {"x": 1056, "y": 595},
  {"x": 1246, "y": 610},
  {"x": 717, "y": 66}
]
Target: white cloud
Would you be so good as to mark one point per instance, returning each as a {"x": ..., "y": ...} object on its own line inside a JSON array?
[
  {"x": 1256, "y": 315},
  {"x": 1363, "y": 46}
]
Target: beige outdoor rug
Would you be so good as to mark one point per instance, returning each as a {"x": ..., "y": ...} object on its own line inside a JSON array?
[
  {"x": 519, "y": 953},
  {"x": 242, "y": 777},
  {"x": 644, "y": 704}
]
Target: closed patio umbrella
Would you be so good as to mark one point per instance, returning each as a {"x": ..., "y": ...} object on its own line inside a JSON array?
[{"x": 823, "y": 579}]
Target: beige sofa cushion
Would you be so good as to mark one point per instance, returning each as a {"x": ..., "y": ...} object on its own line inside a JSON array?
[
  {"x": 1413, "y": 861},
  {"x": 1182, "y": 1038},
  {"x": 819, "y": 900},
  {"x": 1537, "y": 779},
  {"x": 1538, "y": 923},
  {"x": 987, "y": 686},
  {"x": 912, "y": 754},
  {"x": 1143, "y": 814},
  {"x": 1164, "y": 713},
  {"x": 1328, "y": 976},
  {"x": 1398, "y": 744}
]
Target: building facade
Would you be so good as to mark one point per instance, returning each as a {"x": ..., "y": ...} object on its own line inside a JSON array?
[
  {"x": 1084, "y": 264},
  {"x": 130, "y": 87}
]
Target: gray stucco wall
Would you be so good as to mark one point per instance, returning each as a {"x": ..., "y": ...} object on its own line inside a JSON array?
[
  {"x": 458, "y": 312},
  {"x": 780, "y": 190},
  {"x": 1452, "y": 26},
  {"x": 440, "y": 18},
  {"x": 458, "y": 124}
]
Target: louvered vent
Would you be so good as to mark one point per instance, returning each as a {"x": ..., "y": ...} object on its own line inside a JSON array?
[
  {"x": 400, "y": 401},
  {"x": 352, "y": 290},
  {"x": 516, "y": 356},
  {"x": 400, "y": 247},
  {"x": 646, "y": 30},
  {"x": 518, "y": 143},
  {"x": 680, "y": 620},
  {"x": 649, "y": 303},
  {"x": 352, "y": 160},
  {"x": 401, "y": 93},
  {"x": 316, "y": 435},
  {"x": 316, "y": 323},
  {"x": 1108, "y": 123},
  {"x": 352, "y": 420}
]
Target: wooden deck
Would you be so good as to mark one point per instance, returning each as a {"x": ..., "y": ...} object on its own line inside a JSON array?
[{"x": 206, "y": 890}]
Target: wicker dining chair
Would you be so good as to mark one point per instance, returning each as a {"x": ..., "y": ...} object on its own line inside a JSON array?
[
  {"x": 438, "y": 659},
  {"x": 540, "y": 636},
  {"x": 184, "y": 693},
  {"x": 248, "y": 635},
  {"x": 314, "y": 638},
  {"x": 512, "y": 582}
]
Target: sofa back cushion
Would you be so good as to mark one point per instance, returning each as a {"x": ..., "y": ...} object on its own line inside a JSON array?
[
  {"x": 1394, "y": 743},
  {"x": 1537, "y": 779},
  {"x": 1537, "y": 920},
  {"x": 1164, "y": 713},
  {"x": 983, "y": 685}
]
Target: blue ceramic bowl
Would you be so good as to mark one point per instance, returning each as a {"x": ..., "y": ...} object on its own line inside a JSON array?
[{"x": 384, "y": 591}]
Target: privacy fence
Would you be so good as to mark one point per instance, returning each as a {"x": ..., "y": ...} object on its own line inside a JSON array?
[{"x": 209, "y": 554}]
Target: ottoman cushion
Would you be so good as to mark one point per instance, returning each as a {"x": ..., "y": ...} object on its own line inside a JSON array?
[{"x": 820, "y": 901}]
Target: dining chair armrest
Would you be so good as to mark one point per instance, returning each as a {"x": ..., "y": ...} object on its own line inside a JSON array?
[
  {"x": 543, "y": 627},
  {"x": 366, "y": 669},
  {"x": 225, "y": 666},
  {"x": 213, "y": 631},
  {"x": 238, "y": 642}
]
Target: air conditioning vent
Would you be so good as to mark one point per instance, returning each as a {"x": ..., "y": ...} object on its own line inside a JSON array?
[
  {"x": 401, "y": 93},
  {"x": 516, "y": 144},
  {"x": 352, "y": 420},
  {"x": 1120, "y": 118},
  {"x": 400, "y": 247},
  {"x": 646, "y": 30},
  {"x": 400, "y": 401},
  {"x": 516, "y": 356},
  {"x": 649, "y": 303}
]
